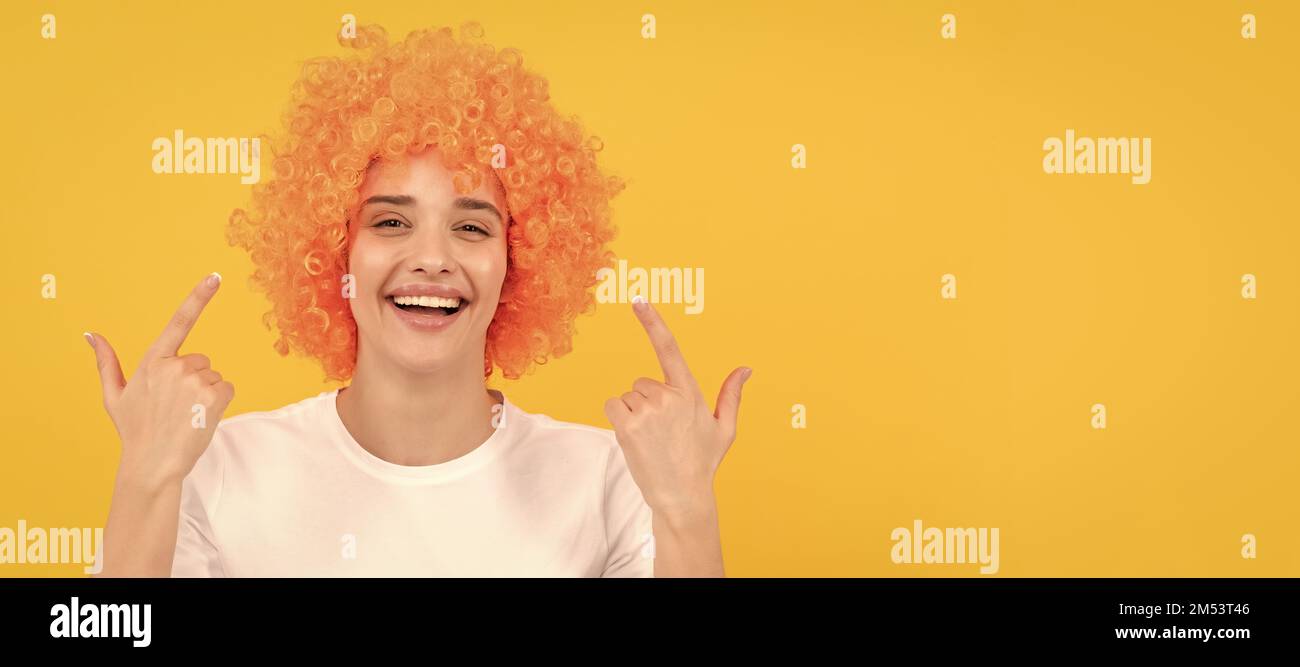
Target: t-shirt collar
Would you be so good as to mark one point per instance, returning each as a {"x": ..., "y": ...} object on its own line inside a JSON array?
[{"x": 440, "y": 472}]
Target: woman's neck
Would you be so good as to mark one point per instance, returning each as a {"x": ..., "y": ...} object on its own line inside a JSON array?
[{"x": 417, "y": 419}]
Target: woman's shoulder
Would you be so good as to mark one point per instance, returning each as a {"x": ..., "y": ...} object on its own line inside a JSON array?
[
  {"x": 257, "y": 440},
  {"x": 287, "y": 423},
  {"x": 565, "y": 441},
  {"x": 545, "y": 426},
  {"x": 302, "y": 410}
]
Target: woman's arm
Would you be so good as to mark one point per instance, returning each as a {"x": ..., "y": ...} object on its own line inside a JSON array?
[
  {"x": 687, "y": 542},
  {"x": 166, "y": 416},
  {"x": 140, "y": 537},
  {"x": 673, "y": 447}
]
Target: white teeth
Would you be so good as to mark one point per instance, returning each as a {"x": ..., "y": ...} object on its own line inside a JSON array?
[{"x": 426, "y": 301}]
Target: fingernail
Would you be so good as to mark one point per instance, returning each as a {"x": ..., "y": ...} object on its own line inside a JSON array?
[
  {"x": 89, "y": 338},
  {"x": 638, "y": 302},
  {"x": 214, "y": 279}
]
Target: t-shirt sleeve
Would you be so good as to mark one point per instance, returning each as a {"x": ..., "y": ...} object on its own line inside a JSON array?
[
  {"x": 628, "y": 522},
  {"x": 196, "y": 547}
]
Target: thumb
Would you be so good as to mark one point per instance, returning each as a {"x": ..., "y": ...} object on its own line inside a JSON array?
[
  {"x": 729, "y": 397},
  {"x": 110, "y": 371}
]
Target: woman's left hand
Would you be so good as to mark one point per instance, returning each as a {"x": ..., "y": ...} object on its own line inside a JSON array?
[{"x": 672, "y": 441}]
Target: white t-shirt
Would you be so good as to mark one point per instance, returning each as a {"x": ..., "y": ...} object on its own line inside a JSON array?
[{"x": 290, "y": 493}]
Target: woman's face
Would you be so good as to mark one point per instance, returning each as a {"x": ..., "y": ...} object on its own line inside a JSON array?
[{"x": 428, "y": 264}]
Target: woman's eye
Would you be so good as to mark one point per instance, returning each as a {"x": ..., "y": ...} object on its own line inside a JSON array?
[
  {"x": 476, "y": 228},
  {"x": 384, "y": 223}
]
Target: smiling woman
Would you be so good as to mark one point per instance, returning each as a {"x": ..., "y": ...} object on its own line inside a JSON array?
[
  {"x": 397, "y": 252},
  {"x": 476, "y": 105}
]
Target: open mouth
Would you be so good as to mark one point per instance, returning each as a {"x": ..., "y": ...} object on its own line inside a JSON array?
[{"x": 427, "y": 305}]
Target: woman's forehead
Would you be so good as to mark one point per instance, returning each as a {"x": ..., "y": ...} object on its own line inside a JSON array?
[{"x": 424, "y": 177}]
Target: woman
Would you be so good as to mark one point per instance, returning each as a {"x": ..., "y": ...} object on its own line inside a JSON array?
[{"x": 430, "y": 217}]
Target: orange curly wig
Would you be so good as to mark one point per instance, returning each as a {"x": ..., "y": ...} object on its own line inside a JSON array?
[{"x": 465, "y": 97}]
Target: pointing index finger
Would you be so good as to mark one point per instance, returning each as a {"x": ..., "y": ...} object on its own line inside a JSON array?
[
  {"x": 169, "y": 342},
  {"x": 676, "y": 372}
]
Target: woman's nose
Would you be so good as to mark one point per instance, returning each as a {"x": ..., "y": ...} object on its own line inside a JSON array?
[{"x": 432, "y": 251}]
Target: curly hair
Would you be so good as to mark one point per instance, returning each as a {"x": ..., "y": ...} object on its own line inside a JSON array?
[{"x": 468, "y": 99}]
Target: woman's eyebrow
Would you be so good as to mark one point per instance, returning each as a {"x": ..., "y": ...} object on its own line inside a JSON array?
[
  {"x": 396, "y": 200},
  {"x": 473, "y": 204},
  {"x": 466, "y": 203}
]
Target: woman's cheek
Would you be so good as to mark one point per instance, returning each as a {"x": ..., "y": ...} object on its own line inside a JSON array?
[
  {"x": 488, "y": 270},
  {"x": 367, "y": 279}
]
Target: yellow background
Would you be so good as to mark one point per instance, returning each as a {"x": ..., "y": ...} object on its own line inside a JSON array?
[{"x": 924, "y": 158}]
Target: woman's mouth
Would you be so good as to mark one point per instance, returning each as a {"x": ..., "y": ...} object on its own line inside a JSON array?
[
  {"x": 426, "y": 313},
  {"x": 426, "y": 305}
]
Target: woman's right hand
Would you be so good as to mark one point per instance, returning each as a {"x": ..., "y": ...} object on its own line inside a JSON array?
[{"x": 168, "y": 411}]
